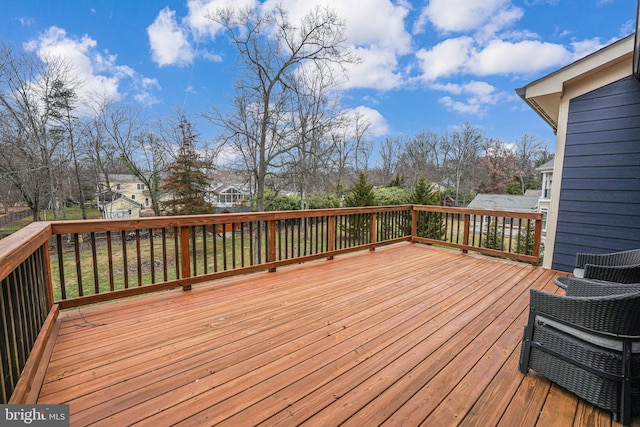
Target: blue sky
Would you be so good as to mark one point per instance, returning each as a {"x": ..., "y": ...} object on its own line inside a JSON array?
[{"x": 426, "y": 65}]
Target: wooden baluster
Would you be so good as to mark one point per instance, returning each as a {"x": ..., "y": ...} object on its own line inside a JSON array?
[
  {"x": 184, "y": 256},
  {"x": 271, "y": 242},
  {"x": 465, "y": 237}
]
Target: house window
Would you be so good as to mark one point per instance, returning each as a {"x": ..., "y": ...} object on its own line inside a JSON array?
[
  {"x": 545, "y": 213},
  {"x": 546, "y": 186},
  {"x": 117, "y": 186},
  {"x": 140, "y": 186},
  {"x": 146, "y": 201},
  {"x": 230, "y": 196},
  {"x": 133, "y": 197}
]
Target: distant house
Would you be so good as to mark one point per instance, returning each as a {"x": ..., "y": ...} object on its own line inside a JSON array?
[
  {"x": 545, "y": 194},
  {"x": 593, "y": 105},
  {"x": 505, "y": 202},
  {"x": 230, "y": 195},
  {"x": 122, "y": 207},
  {"x": 123, "y": 185}
]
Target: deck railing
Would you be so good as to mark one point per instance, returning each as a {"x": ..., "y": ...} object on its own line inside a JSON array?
[{"x": 50, "y": 266}]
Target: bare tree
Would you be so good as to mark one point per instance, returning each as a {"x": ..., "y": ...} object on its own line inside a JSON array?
[
  {"x": 460, "y": 154},
  {"x": 314, "y": 113},
  {"x": 142, "y": 151},
  {"x": 101, "y": 154},
  {"x": 67, "y": 127},
  {"x": 30, "y": 151},
  {"x": 348, "y": 139},
  {"x": 363, "y": 145},
  {"x": 499, "y": 166},
  {"x": 390, "y": 151},
  {"x": 528, "y": 149},
  {"x": 270, "y": 49},
  {"x": 422, "y": 157}
]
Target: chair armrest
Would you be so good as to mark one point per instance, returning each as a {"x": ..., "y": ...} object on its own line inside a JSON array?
[
  {"x": 596, "y": 288},
  {"x": 614, "y": 314},
  {"x": 619, "y": 274},
  {"x": 612, "y": 259}
]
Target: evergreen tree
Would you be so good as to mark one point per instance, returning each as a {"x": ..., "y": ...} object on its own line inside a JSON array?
[
  {"x": 361, "y": 193},
  {"x": 186, "y": 183},
  {"x": 495, "y": 235},
  {"x": 526, "y": 237},
  {"x": 358, "y": 226},
  {"x": 397, "y": 181},
  {"x": 430, "y": 224},
  {"x": 425, "y": 194}
]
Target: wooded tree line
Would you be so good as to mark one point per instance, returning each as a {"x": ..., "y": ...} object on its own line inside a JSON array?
[{"x": 284, "y": 129}]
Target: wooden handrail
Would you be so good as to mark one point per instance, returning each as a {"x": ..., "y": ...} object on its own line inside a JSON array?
[
  {"x": 17, "y": 247},
  {"x": 199, "y": 248}
]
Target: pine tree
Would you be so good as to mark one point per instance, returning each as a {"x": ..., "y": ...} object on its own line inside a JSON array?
[
  {"x": 430, "y": 224},
  {"x": 186, "y": 183},
  {"x": 425, "y": 194},
  {"x": 358, "y": 226},
  {"x": 361, "y": 193}
]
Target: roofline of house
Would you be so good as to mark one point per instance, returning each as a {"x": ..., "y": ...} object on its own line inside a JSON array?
[{"x": 552, "y": 85}]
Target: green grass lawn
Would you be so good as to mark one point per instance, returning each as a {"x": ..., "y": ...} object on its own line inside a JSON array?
[{"x": 71, "y": 213}]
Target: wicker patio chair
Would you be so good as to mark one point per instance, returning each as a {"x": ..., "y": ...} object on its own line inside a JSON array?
[
  {"x": 565, "y": 281},
  {"x": 589, "y": 343},
  {"x": 621, "y": 267}
]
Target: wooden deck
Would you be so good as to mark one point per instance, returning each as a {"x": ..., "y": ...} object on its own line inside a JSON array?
[{"x": 407, "y": 335}]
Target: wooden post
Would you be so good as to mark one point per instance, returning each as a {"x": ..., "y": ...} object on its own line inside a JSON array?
[
  {"x": 414, "y": 224},
  {"x": 465, "y": 237},
  {"x": 537, "y": 241},
  {"x": 185, "y": 259},
  {"x": 271, "y": 243},
  {"x": 331, "y": 235},
  {"x": 373, "y": 230},
  {"x": 47, "y": 269}
]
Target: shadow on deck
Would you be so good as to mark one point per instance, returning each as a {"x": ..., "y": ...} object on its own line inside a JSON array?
[{"x": 406, "y": 335}]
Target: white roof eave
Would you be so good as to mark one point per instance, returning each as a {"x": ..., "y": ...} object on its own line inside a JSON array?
[{"x": 544, "y": 95}]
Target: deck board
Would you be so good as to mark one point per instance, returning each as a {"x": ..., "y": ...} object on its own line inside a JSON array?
[{"x": 403, "y": 335}]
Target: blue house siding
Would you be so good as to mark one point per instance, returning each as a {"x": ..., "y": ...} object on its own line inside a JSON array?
[{"x": 599, "y": 205}]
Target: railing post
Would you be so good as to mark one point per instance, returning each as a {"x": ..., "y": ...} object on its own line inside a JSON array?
[
  {"x": 185, "y": 259},
  {"x": 465, "y": 236},
  {"x": 414, "y": 224},
  {"x": 537, "y": 240},
  {"x": 331, "y": 235},
  {"x": 47, "y": 269},
  {"x": 373, "y": 230},
  {"x": 271, "y": 242}
]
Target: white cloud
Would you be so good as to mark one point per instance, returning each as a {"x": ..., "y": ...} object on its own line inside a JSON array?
[
  {"x": 378, "y": 70},
  {"x": 460, "y": 107},
  {"x": 464, "y": 55},
  {"x": 473, "y": 87},
  {"x": 98, "y": 72},
  {"x": 583, "y": 48},
  {"x": 26, "y": 21},
  {"x": 169, "y": 43},
  {"x": 374, "y": 29},
  {"x": 528, "y": 56},
  {"x": 377, "y": 124},
  {"x": 477, "y": 96},
  {"x": 627, "y": 28},
  {"x": 467, "y": 15},
  {"x": 446, "y": 58},
  {"x": 372, "y": 22},
  {"x": 197, "y": 19}
]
